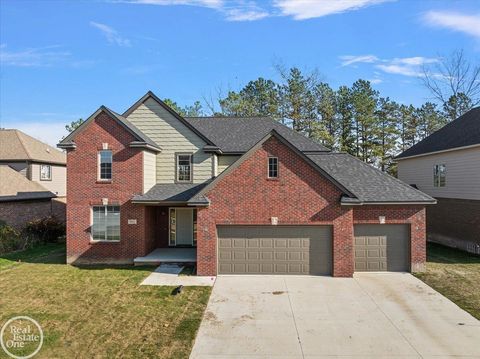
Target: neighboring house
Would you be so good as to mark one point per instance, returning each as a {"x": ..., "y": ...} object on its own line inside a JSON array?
[
  {"x": 32, "y": 179},
  {"x": 446, "y": 165},
  {"x": 249, "y": 194}
]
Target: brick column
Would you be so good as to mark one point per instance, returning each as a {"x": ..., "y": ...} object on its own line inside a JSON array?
[{"x": 343, "y": 247}]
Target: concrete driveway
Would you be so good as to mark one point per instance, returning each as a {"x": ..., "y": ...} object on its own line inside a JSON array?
[{"x": 368, "y": 316}]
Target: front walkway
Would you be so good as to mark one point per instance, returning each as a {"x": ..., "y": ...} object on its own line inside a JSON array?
[
  {"x": 368, "y": 316},
  {"x": 168, "y": 274}
]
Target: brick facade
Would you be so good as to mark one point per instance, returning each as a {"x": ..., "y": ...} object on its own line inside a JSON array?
[
  {"x": 84, "y": 191},
  {"x": 244, "y": 196},
  {"x": 299, "y": 197},
  {"x": 455, "y": 223},
  {"x": 18, "y": 213}
]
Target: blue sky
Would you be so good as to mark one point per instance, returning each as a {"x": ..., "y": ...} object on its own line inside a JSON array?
[{"x": 61, "y": 60}]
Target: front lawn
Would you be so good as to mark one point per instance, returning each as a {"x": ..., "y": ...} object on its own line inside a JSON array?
[
  {"x": 455, "y": 274},
  {"x": 98, "y": 312}
]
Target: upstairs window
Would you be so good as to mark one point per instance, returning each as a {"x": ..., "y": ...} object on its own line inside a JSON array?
[
  {"x": 105, "y": 165},
  {"x": 184, "y": 167},
  {"x": 106, "y": 223},
  {"x": 272, "y": 167},
  {"x": 45, "y": 173},
  {"x": 439, "y": 175}
]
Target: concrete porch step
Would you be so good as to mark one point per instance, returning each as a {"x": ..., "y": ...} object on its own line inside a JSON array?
[{"x": 168, "y": 255}]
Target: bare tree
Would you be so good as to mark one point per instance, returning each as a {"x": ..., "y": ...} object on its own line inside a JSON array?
[{"x": 455, "y": 82}]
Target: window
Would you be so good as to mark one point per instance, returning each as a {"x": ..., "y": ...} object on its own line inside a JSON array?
[
  {"x": 45, "y": 173},
  {"x": 173, "y": 227},
  {"x": 272, "y": 167},
  {"x": 106, "y": 223},
  {"x": 184, "y": 167},
  {"x": 439, "y": 175},
  {"x": 105, "y": 165}
]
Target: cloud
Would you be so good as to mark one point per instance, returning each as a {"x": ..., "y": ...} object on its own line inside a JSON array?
[
  {"x": 111, "y": 34},
  {"x": 375, "y": 81},
  {"x": 406, "y": 66},
  {"x": 468, "y": 24},
  {"x": 348, "y": 60},
  {"x": 33, "y": 57},
  {"x": 215, "y": 4},
  {"x": 307, "y": 9},
  {"x": 240, "y": 14}
]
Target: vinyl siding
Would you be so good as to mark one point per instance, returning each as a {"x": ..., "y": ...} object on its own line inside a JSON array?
[
  {"x": 225, "y": 161},
  {"x": 57, "y": 185},
  {"x": 462, "y": 173},
  {"x": 149, "y": 170},
  {"x": 172, "y": 136}
]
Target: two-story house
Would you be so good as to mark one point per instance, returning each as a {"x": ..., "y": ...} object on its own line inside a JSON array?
[
  {"x": 446, "y": 165},
  {"x": 32, "y": 179},
  {"x": 248, "y": 195}
]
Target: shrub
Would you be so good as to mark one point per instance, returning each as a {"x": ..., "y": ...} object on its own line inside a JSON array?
[
  {"x": 45, "y": 230},
  {"x": 10, "y": 239}
]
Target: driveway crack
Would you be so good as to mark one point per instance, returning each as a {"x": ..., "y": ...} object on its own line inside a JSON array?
[{"x": 293, "y": 316}]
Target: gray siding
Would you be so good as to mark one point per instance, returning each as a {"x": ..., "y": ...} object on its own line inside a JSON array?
[
  {"x": 462, "y": 173},
  {"x": 172, "y": 136},
  {"x": 57, "y": 185},
  {"x": 225, "y": 161},
  {"x": 149, "y": 170}
]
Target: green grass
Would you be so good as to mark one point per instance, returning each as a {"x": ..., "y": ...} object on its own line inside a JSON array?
[
  {"x": 455, "y": 274},
  {"x": 98, "y": 312}
]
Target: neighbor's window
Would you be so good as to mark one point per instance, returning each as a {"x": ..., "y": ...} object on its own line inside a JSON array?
[
  {"x": 184, "y": 167},
  {"x": 439, "y": 175},
  {"x": 272, "y": 167},
  {"x": 106, "y": 223},
  {"x": 105, "y": 165},
  {"x": 45, "y": 173}
]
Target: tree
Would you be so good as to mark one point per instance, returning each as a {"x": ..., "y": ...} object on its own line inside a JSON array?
[
  {"x": 387, "y": 135},
  {"x": 454, "y": 82},
  {"x": 346, "y": 140},
  {"x": 326, "y": 127},
  {"x": 74, "y": 125},
  {"x": 194, "y": 110},
  {"x": 364, "y": 102},
  {"x": 430, "y": 119},
  {"x": 407, "y": 127}
]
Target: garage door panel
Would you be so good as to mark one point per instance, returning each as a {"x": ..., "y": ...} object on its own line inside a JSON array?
[
  {"x": 275, "y": 249},
  {"x": 382, "y": 247}
]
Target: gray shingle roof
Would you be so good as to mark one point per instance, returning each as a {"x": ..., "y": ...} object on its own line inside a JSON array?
[
  {"x": 16, "y": 187},
  {"x": 239, "y": 134},
  {"x": 172, "y": 192},
  {"x": 464, "y": 131},
  {"x": 367, "y": 183}
]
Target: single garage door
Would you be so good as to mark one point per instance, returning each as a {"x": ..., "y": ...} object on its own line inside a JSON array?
[
  {"x": 275, "y": 250},
  {"x": 382, "y": 247}
]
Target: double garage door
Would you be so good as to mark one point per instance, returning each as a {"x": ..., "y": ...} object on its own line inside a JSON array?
[
  {"x": 275, "y": 250},
  {"x": 309, "y": 249}
]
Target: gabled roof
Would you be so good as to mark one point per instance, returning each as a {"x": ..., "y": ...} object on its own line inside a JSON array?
[
  {"x": 16, "y": 187},
  {"x": 239, "y": 134},
  {"x": 18, "y": 146},
  {"x": 142, "y": 140},
  {"x": 367, "y": 184},
  {"x": 462, "y": 132},
  {"x": 151, "y": 95}
]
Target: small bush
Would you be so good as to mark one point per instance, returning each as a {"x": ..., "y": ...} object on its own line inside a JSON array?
[
  {"x": 45, "y": 230},
  {"x": 10, "y": 239}
]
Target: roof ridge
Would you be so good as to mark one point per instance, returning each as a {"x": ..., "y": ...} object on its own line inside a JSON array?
[{"x": 17, "y": 132}]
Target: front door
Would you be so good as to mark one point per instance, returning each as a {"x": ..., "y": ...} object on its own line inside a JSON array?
[{"x": 181, "y": 226}]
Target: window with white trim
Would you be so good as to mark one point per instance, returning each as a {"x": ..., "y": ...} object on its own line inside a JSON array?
[
  {"x": 272, "y": 167},
  {"x": 45, "y": 173},
  {"x": 184, "y": 167},
  {"x": 106, "y": 223},
  {"x": 439, "y": 175},
  {"x": 105, "y": 165}
]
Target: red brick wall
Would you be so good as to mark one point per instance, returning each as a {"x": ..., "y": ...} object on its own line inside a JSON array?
[
  {"x": 18, "y": 213},
  {"x": 413, "y": 215},
  {"x": 299, "y": 197},
  {"x": 84, "y": 191}
]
